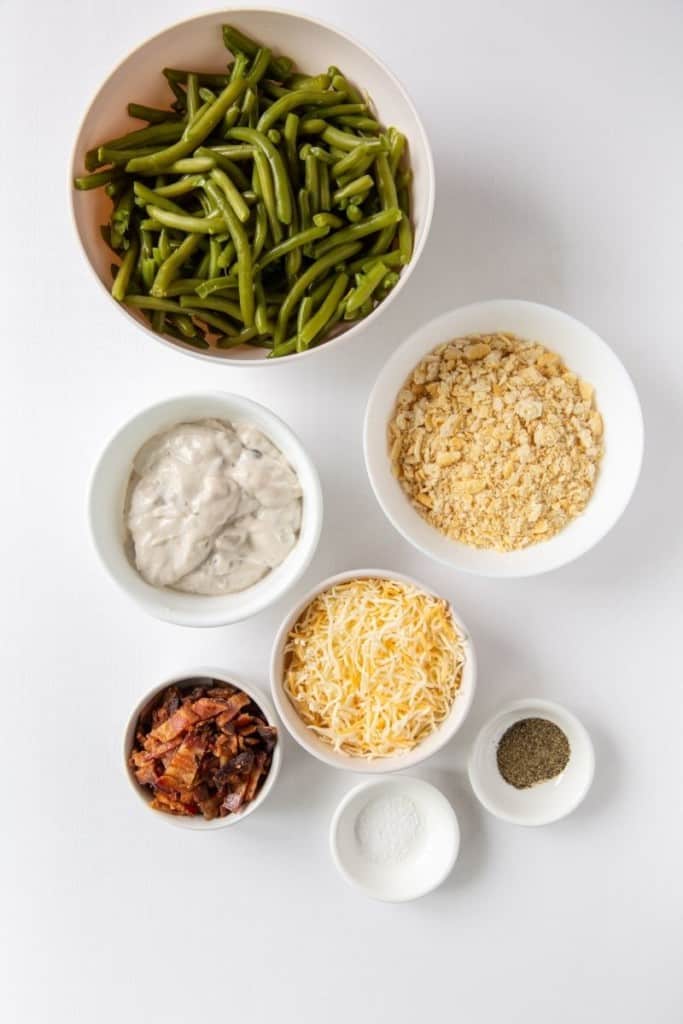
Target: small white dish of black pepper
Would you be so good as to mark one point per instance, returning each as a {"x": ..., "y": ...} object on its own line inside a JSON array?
[{"x": 532, "y": 763}]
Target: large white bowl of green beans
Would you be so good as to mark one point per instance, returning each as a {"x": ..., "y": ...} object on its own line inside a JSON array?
[{"x": 252, "y": 185}]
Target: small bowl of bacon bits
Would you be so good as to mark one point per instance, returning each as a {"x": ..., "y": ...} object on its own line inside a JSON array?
[{"x": 202, "y": 750}]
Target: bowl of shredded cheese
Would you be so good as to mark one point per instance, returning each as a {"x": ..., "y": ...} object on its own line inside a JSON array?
[{"x": 372, "y": 671}]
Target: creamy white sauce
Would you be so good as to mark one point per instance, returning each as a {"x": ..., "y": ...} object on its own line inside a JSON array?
[{"x": 211, "y": 507}]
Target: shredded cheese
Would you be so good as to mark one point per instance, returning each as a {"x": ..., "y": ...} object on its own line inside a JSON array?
[{"x": 372, "y": 666}]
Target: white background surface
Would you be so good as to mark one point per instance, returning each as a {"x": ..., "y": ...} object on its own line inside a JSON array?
[{"x": 557, "y": 138}]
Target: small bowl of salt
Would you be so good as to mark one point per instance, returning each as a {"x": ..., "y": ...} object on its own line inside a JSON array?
[{"x": 396, "y": 838}]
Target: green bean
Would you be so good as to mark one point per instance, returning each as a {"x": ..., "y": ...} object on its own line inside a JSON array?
[
  {"x": 405, "y": 231},
  {"x": 242, "y": 337},
  {"x": 231, "y": 194},
  {"x": 318, "y": 152},
  {"x": 386, "y": 189},
  {"x": 212, "y": 225},
  {"x": 150, "y": 224},
  {"x": 283, "y": 198},
  {"x": 227, "y": 256},
  {"x": 397, "y": 145},
  {"x": 185, "y": 326},
  {"x": 183, "y": 286},
  {"x": 157, "y": 320},
  {"x": 312, "y": 179},
  {"x": 342, "y": 140},
  {"x": 320, "y": 319},
  {"x": 148, "y": 197},
  {"x": 259, "y": 66},
  {"x": 150, "y": 302},
  {"x": 260, "y": 230},
  {"x": 202, "y": 127},
  {"x": 365, "y": 286},
  {"x": 375, "y": 223},
  {"x": 236, "y": 41},
  {"x": 304, "y": 209},
  {"x": 180, "y": 187},
  {"x": 263, "y": 325},
  {"x": 351, "y": 161},
  {"x": 203, "y": 268},
  {"x": 214, "y": 252},
  {"x": 311, "y": 274},
  {"x": 242, "y": 249},
  {"x": 356, "y": 187},
  {"x": 319, "y": 293},
  {"x": 290, "y": 136},
  {"x": 231, "y": 152},
  {"x": 354, "y": 214},
  {"x": 163, "y": 249},
  {"x": 216, "y": 284},
  {"x": 328, "y": 220},
  {"x": 88, "y": 181},
  {"x": 207, "y": 94},
  {"x": 192, "y": 93},
  {"x": 180, "y": 104},
  {"x": 120, "y": 218},
  {"x": 196, "y": 342},
  {"x": 312, "y": 126},
  {"x": 318, "y": 82},
  {"x": 360, "y": 123},
  {"x": 300, "y": 98},
  {"x": 188, "y": 165},
  {"x": 249, "y": 105},
  {"x": 304, "y": 314},
  {"x": 151, "y": 114},
  {"x": 211, "y": 318},
  {"x": 116, "y": 187},
  {"x": 343, "y": 109},
  {"x": 294, "y": 242},
  {"x": 266, "y": 190},
  {"x": 324, "y": 178},
  {"x": 343, "y": 85},
  {"x": 214, "y": 303},
  {"x": 121, "y": 157},
  {"x": 214, "y": 81},
  {"x": 125, "y": 272},
  {"x": 171, "y": 266}
]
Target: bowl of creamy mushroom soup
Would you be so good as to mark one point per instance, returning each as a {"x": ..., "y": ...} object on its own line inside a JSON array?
[{"x": 205, "y": 509}]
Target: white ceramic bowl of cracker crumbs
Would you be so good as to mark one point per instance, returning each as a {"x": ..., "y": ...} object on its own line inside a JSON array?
[{"x": 584, "y": 354}]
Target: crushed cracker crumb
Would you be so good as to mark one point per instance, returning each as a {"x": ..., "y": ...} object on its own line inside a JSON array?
[{"x": 496, "y": 443}]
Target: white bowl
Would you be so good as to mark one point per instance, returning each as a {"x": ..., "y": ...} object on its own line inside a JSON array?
[
  {"x": 108, "y": 491},
  {"x": 423, "y": 867},
  {"x": 548, "y": 801},
  {"x": 584, "y": 353},
  {"x": 197, "y": 43},
  {"x": 337, "y": 759},
  {"x": 189, "y": 678}
]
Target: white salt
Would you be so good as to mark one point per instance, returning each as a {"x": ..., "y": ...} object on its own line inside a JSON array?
[{"x": 387, "y": 829}]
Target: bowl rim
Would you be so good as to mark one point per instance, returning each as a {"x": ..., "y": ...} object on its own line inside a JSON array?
[
  {"x": 355, "y": 329},
  {"x": 587, "y": 754},
  {"x": 313, "y": 498},
  {"x": 380, "y": 767},
  {"x": 258, "y": 695},
  {"x": 412, "y": 341},
  {"x": 395, "y": 780}
]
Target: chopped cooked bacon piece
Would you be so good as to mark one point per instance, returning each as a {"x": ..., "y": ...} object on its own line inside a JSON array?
[
  {"x": 164, "y": 802},
  {"x": 181, "y": 771},
  {"x": 203, "y": 748},
  {"x": 254, "y": 780},
  {"x": 233, "y": 708},
  {"x": 179, "y": 721}
]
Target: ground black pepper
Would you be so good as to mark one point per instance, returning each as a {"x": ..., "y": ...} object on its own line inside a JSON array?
[{"x": 531, "y": 751}]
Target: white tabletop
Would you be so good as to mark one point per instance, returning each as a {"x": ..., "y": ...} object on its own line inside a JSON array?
[{"x": 556, "y": 130}]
